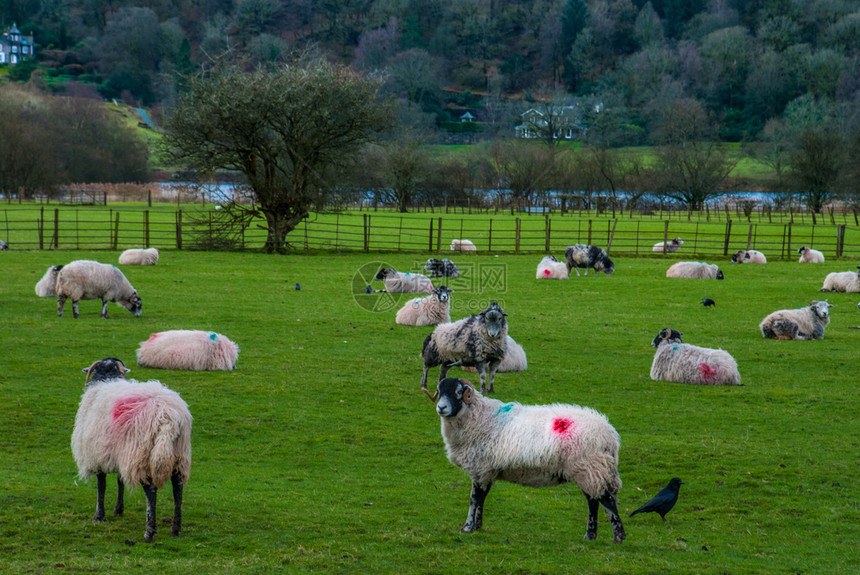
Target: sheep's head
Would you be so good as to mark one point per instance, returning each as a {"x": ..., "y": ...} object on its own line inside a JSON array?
[
  {"x": 821, "y": 309},
  {"x": 433, "y": 264},
  {"x": 105, "y": 369},
  {"x": 607, "y": 264},
  {"x": 720, "y": 275},
  {"x": 133, "y": 304},
  {"x": 383, "y": 273},
  {"x": 494, "y": 319},
  {"x": 803, "y": 250},
  {"x": 667, "y": 335},
  {"x": 678, "y": 242},
  {"x": 549, "y": 258},
  {"x": 452, "y": 395},
  {"x": 442, "y": 293},
  {"x": 738, "y": 256}
]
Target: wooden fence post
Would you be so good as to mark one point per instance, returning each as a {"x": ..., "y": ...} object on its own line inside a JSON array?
[
  {"x": 788, "y": 245},
  {"x": 517, "y": 235},
  {"x": 41, "y": 226},
  {"x": 179, "y": 229},
  {"x": 115, "y": 231},
  {"x": 439, "y": 231},
  {"x": 749, "y": 236},
  {"x": 146, "y": 227},
  {"x": 56, "y": 228},
  {"x": 665, "y": 236},
  {"x": 611, "y": 236},
  {"x": 366, "y": 233},
  {"x": 589, "y": 232},
  {"x": 840, "y": 240},
  {"x": 430, "y": 240},
  {"x": 728, "y": 237},
  {"x": 547, "y": 233},
  {"x": 490, "y": 239}
]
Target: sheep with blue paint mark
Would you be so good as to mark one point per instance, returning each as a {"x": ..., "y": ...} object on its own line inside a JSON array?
[
  {"x": 191, "y": 350},
  {"x": 748, "y": 257},
  {"x": 681, "y": 362},
  {"x": 432, "y": 309},
  {"x": 404, "y": 282}
]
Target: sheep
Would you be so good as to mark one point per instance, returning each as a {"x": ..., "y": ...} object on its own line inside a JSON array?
[
  {"x": 514, "y": 360},
  {"x": 429, "y": 310},
  {"x": 681, "y": 362},
  {"x": 86, "y": 279},
  {"x": 671, "y": 247},
  {"x": 550, "y": 268},
  {"x": 845, "y": 282},
  {"x": 810, "y": 256},
  {"x": 803, "y": 323},
  {"x": 695, "y": 270},
  {"x": 139, "y": 257},
  {"x": 463, "y": 246},
  {"x": 586, "y": 256},
  {"x": 476, "y": 341},
  {"x": 191, "y": 350},
  {"x": 441, "y": 268},
  {"x": 47, "y": 286},
  {"x": 532, "y": 445},
  {"x": 3, "y": 246},
  {"x": 139, "y": 430},
  {"x": 404, "y": 282},
  {"x": 748, "y": 257}
]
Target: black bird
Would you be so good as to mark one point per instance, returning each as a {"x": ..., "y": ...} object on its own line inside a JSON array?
[
  {"x": 663, "y": 502},
  {"x": 708, "y": 302},
  {"x": 298, "y": 287},
  {"x": 368, "y": 290}
]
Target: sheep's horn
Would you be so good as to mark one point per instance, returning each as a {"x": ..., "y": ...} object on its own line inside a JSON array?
[
  {"x": 468, "y": 392},
  {"x": 433, "y": 397},
  {"x": 89, "y": 371}
]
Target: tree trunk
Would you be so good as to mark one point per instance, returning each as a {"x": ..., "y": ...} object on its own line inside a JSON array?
[{"x": 278, "y": 226}]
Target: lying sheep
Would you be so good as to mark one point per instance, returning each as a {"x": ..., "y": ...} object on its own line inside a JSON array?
[
  {"x": 85, "y": 279},
  {"x": 191, "y": 350},
  {"x": 671, "y": 247},
  {"x": 532, "y": 445},
  {"x": 586, "y": 256},
  {"x": 550, "y": 268},
  {"x": 803, "y": 323},
  {"x": 748, "y": 257},
  {"x": 463, "y": 246},
  {"x": 404, "y": 282},
  {"x": 514, "y": 360},
  {"x": 477, "y": 341},
  {"x": 695, "y": 270},
  {"x": 3, "y": 246},
  {"x": 681, "y": 362},
  {"x": 47, "y": 286},
  {"x": 139, "y": 430},
  {"x": 139, "y": 257},
  {"x": 810, "y": 256},
  {"x": 844, "y": 282},
  {"x": 441, "y": 268},
  {"x": 428, "y": 310}
]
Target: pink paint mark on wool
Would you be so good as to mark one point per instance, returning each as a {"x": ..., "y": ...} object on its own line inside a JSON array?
[
  {"x": 707, "y": 372},
  {"x": 563, "y": 426},
  {"x": 152, "y": 337},
  {"x": 547, "y": 272},
  {"x": 126, "y": 408}
]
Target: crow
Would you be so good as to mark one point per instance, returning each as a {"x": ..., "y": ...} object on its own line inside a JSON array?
[
  {"x": 708, "y": 302},
  {"x": 663, "y": 502}
]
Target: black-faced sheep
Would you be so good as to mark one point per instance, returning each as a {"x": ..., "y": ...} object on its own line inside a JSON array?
[
  {"x": 748, "y": 257},
  {"x": 810, "y": 256},
  {"x": 671, "y": 247},
  {"x": 586, "y": 256},
  {"x": 441, "y": 268},
  {"x": 477, "y": 341},
  {"x": 139, "y": 430},
  {"x": 85, "y": 279},
  {"x": 139, "y": 257},
  {"x": 532, "y": 445},
  {"x": 804, "y": 323},
  {"x": 844, "y": 282},
  {"x": 3, "y": 246},
  {"x": 463, "y": 246},
  {"x": 550, "y": 268},
  {"x": 404, "y": 282},
  {"x": 428, "y": 310},
  {"x": 192, "y": 350},
  {"x": 695, "y": 270},
  {"x": 47, "y": 286},
  {"x": 681, "y": 362}
]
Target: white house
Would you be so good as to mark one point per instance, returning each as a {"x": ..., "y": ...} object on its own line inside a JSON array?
[
  {"x": 14, "y": 46},
  {"x": 534, "y": 123}
]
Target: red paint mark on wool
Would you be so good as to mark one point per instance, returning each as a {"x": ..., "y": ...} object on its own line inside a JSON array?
[
  {"x": 547, "y": 272},
  {"x": 152, "y": 337},
  {"x": 707, "y": 372},
  {"x": 126, "y": 408},
  {"x": 563, "y": 426}
]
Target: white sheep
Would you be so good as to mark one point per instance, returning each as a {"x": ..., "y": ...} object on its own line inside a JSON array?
[
  {"x": 681, "y": 362},
  {"x": 477, "y": 341},
  {"x": 671, "y": 247},
  {"x": 532, "y": 445},
  {"x": 139, "y": 257},
  {"x": 810, "y": 256},
  {"x": 844, "y": 282},
  {"x": 47, "y": 286},
  {"x": 514, "y": 360},
  {"x": 428, "y": 310},
  {"x": 694, "y": 270},
  {"x": 463, "y": 246},
  {"x": 550, "y": 268},
  {"x": 139, "y": 430},
  {"x": 86, "y": 279},
  {"x": 803, "y": 323},
  {"x": 192, "y": 350},
  {"x": 404, "y": 282},
  {"x": 748, "y": 257}
]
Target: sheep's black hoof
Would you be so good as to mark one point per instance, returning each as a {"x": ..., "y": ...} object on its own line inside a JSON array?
[
  {"x": 148, "y": 537},
  {"x": 98, "y": 517},
  {"x": 620, "y": 537},
  {"x": 469, "y": 528},
  {"x": 590, "y": 535}
]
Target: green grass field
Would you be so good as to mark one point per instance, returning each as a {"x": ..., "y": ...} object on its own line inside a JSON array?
[{"x": 320, "y": 454}]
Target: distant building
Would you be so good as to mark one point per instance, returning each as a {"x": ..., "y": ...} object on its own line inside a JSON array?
[
  {"x": 566, "y": 120},
  {"x": 15, "y": 47}
]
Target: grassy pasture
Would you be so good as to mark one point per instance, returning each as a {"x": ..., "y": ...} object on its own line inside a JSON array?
[{"x": 319, "y": 453}]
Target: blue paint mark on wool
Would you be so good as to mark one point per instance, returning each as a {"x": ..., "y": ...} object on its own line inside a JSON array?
[
  {"x": 213, "y": 336},
  {"x": 675, "y": 347},
  {"x": 505, "y": 408}
]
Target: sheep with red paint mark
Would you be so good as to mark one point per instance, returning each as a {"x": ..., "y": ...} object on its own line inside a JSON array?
[
  {"x": 192, "y": 350},
  {"x": 681, "y": 362},
  {"x": 532, "y": 445},
  {"x": 139, "y": 430},
  {"x": 550, "y": 268}
]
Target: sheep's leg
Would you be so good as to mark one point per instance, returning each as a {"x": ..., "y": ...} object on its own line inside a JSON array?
[
  {"x": 176, "y": 480},
  {"x": 119, "y": 509},
  {"x": 61, "y": 301},
  {"x": 476, "y": 507},
  {"x": 491, "y": 375},
  {"x": 608, "y": 502},
  {"x": 101, "y": 485},
  {"x": 104, "y": 308},
  {"x": 150, "y": 491},
  {"x": 576, "y": 269},
  {"x": 482, "y": 376},
  {"x": 443, "y": 370},
  {"x": 424, "y": 377},
  {"x": 591, "y": 529},
  {"x": 75, "y": 312}
]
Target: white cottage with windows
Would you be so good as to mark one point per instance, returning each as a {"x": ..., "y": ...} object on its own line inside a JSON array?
[{"x": 14, "y": 46}]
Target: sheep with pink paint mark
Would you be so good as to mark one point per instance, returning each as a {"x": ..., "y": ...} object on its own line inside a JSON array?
[
  {"x": 681, "y": 362},
  {"x": 550, "y": 268},
  {"x": 139, "y": 430},
  {"x": 532, "y": 445},
  {"x": 191, "y": 350}
]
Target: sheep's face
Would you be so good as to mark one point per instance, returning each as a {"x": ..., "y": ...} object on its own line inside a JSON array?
[
  {"x": 667, "y": 335},
  {"x": 383, "y": 273},
  {"x": 494, "y": 319},
  {"x": 549, "y": 258},
  {"x": 737, "y": 257},
  {"x": 433, "y": 265},
  {"x": 720, "y": 275},
  {"x": 453, "y": 395},
  {"x": 678, "y": 242},
  {"x": 105, "y": 369},
  {"x": 442, "y": 293},
  {"x": 134, "y": 305},
  {"x": 821, "y": 309}
]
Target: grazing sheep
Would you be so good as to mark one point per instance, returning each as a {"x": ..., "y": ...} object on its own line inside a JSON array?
[
  {"x": 139, "y": 430},
  {"x": 671, "y": 247},
  {"x": 844, "y": 282},
  {"x": 810, "y": 256},
  {"x": 695, "y": 270},
  {"x": 586, "y": 256},
  {"x": 681, "y": 362},
  {"x": 532, "y": 445},
  {"x": 550, "y": 268},
  {"x": 748, "y": 257},
  {"x": 3, "y": 246},
  {"x": 428, "y": 310},
  {"x": 86, "y": 279},
  {"x": 803, "y": 323},
  {"x": 441, "y": 268},
  {"x": 404, "y": 282},
  {"x": 47, "y": 286},
  {"x": 191, "y": 350},
  {"x": 463, "y": 246},
  {"x": 514, "y": 360},
  {"x": 139, "y": 257},
  {"x": 477, "y": 341}
]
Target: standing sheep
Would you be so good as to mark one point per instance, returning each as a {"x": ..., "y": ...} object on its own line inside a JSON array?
[
  {"x": 671, "y": 247},
  {"x": 139, "y": 430},
  {"x": 550, "y": 268},
  {"x": 681, "y": 362},
  {"x": 532, "y": 445},
  {"x": 803, "y": 323},
  {"x": 47, "y": 286},
  {"x": 463, "y": 246},
  {"x": 514, "y": 360},
  {"x": 844, "y": 282},
  {"x": 477, "y": 341},
  {"x": 428, "y": 310},
  {"x": 586, "y": 256},
  {"x": 441, "y": 268},
  {"x": 695, "y": 270},
  {"x": 404, "y": 282},
  {"x": 810, "y": 256},
  {"x": 748, "y": 257},
  {"x": 191, "y": 350},
  {"x": 139, "y": 257},
  {"x": 85, "y": 279}
]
